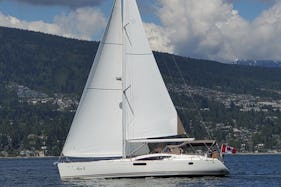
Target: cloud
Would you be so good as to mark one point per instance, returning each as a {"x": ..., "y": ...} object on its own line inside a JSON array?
[
  {"x": 267, "y": 29},
  {"x": 263, "y": 1},
  {"x": 82, "y": 23},
  {"x": 69, "y": 3},
  {"x": 158, "y": 39},
  {"x": 9, "y": 21},
  {"x": 214, "y": 30},
  {"x": 197, "y": 28}
]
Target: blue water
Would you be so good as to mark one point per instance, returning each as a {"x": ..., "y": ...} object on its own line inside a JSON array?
[{"x": 245, "y": 170}]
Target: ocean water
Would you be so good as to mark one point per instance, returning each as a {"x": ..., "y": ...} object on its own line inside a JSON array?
[{"x": 245, "y": 170}]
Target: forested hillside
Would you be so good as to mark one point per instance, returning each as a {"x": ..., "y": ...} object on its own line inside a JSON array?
[{"x": 42, "y": 77}]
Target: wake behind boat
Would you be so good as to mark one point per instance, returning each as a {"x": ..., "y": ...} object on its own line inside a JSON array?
[{"x": 124, "y": 107}]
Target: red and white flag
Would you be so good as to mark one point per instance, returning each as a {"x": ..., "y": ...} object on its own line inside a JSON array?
[{"x": 225, "y": 149}]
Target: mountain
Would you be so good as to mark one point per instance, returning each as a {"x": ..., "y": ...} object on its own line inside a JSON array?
[
  {"x": 261, "y": 63},
  {"x": 42, "y": 77},
  {"x": 58, "y": 65}
]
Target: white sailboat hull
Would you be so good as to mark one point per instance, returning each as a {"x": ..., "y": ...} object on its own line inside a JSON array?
[{"x": 176, "y": 165}]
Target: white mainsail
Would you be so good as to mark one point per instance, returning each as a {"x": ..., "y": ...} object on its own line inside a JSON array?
[
  {"x": 125, "y": 97},
  {"x": 96, "y": 130},
  {"x": 151, "y": 111}
]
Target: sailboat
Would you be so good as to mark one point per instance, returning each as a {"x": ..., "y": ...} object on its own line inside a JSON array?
[{"x": 124, "y": 107}]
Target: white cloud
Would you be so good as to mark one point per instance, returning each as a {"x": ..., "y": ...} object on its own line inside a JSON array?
[
  {"x": 82, "y": 23},
  {"x": 9, "y": 21},
  {"x": 158, "y": 38},
  {"x": 209, "y": 29},
  {"x": 266, "y": 37},
  {"x": 214, "y": 30}
]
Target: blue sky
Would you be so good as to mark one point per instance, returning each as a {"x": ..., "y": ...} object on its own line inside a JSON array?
[
  {"x": 47, "y": 13},
  {"x": 249, "y": 9},
  {"x": 211, "y": 28},
  {"x": 29, "y": 12}
]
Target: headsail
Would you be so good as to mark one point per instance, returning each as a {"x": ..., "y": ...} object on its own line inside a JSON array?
[{"x": 96, "y": 130}]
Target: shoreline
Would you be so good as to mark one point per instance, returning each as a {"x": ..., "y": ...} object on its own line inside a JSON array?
[
  {"x": 279, "y": 153},
  {"x": 19, "y": 157},
  {"x": 254, "y": 154}
]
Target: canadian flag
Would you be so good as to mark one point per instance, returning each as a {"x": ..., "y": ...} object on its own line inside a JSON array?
[{"x": 228, "y": 149}]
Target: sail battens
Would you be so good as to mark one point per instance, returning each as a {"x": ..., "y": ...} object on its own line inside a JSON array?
[
  {"x": 111, "y": 43},
  {"x": 139, "y": 54},
  {"x": 109, "y": 89}
]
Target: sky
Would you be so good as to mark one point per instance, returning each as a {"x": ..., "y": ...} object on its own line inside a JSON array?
[{"x": 223, "y": 30}]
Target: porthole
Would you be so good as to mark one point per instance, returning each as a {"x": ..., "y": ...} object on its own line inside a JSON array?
[{"x": 139, "y": 164}]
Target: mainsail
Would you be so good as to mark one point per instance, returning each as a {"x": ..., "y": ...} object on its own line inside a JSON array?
[
  {"x": 125, "y": 97},
  {"x": 152, "y": 113}
]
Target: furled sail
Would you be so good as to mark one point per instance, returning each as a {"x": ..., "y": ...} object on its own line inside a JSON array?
[
  {"x": 96, "y": 130},
  {"x": 150, "y": 111}
]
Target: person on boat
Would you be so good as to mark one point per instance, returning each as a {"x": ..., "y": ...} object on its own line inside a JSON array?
[
  {"x": 212, "y": 153},
  {"x": 215, "y": 154}
]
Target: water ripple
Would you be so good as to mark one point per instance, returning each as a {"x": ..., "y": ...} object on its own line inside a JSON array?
[{"x": 246, "y": 170}]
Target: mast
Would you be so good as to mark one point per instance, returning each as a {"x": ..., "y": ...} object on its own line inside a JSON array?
[{"x": 123, "y": 83}]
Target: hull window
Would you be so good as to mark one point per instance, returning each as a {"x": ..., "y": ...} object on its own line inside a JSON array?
[{"x": 139, "y": 164}]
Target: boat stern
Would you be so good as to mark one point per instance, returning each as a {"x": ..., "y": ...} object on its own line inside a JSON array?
[{"x": 222, "y": 170}]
